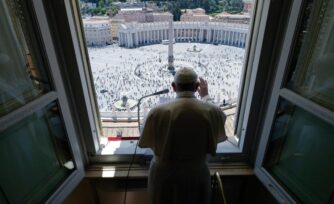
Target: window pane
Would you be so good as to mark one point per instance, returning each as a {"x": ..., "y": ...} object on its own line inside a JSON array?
[
  {"x": 300, "y": 154},
  {"x": 35, "y": 157},
  {"x": 312, "y": 72},
  {"x": 21, "y": 77}
]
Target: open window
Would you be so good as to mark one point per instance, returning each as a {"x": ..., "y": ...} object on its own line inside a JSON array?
[
  {"x": 41, "y": 159},
  {"x": 127, "y": 57},
  {"x": 48, "y": 95},
  {"x": 295, "y": 154}
]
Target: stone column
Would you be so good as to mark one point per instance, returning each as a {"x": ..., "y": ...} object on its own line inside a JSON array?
[
  {"x": 232, "y": 38},
  {"x": 130, "y": 44},
  {"x": 238, "y": 39},
  {"x": 141, "y": 37},
  {"x": 120, "y": 38},
  {"x": 156, "y": 36},
  {"x": 151, "y": 36},
  {"x": 229, "y": 38},
  {"x": 191, "y": 34},
  {"x": 136, "y": 39},
  {"x": 208, "y": 35},
  {"x": 160, "y": 34},
  {"x": 148, "y": 36},
  {"x": 225, "y": 37},
  {"x": 126, "y": 40},
  {"x": 178, "y": 33}
]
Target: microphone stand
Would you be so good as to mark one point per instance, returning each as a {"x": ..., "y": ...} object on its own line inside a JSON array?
[
  {"x": 133, "y": 155},
  {"x": 138, "y": 109}
]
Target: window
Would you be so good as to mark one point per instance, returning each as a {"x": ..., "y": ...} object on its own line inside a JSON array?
[
  {"x": 54, "y": 100},
  {"x": 213, "y": 42},
  {"x": 295, "y": 155},
  {"x": 37, "y": 141}
]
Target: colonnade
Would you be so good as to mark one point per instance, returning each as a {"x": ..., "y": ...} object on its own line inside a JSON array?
[{"x": 137, "y": 34}]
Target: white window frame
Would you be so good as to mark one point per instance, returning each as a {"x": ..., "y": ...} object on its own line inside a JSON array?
[
  {"x": 78, "y": 174},
  {"x": 279, "y": 92},
  {"x": 57, "y": 95}
]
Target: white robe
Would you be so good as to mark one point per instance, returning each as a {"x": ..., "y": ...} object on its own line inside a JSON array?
[{"x": 181, "y": 133}]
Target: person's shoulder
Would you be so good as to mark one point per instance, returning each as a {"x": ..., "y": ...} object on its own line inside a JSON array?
[
  {"x": 208, "y": 104},
  {"x": 161, "y": 107}
]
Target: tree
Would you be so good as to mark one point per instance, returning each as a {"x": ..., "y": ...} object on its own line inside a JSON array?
[
  {"x": 113, "y": 10},
  {"x": 233, "y": 6},
  {"x": 174, "y": 8},
  {"x": 101, "y": 4}
]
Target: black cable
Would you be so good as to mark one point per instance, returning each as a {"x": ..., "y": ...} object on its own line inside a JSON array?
[{"x": 134, "y": 153}]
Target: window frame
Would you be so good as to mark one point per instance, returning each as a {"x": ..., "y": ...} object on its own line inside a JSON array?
[
  {"x": 56, "y": 94},
  {"x": 92, "y": 140},
  {"x": 73, "y": 180},
  {"x": 244, "y": 151},
  {"x": 270, "y": 183},
  {"x": 280, "y": 92}
]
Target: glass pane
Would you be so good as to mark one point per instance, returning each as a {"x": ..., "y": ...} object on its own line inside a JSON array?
[
  {"x": 35, "y": 157},
  {"x": 312, "y": 72},
  {"x": 136, "y": 49},
  {"x": 21, "y": 76},
  {"x": 300, "y": 154}
]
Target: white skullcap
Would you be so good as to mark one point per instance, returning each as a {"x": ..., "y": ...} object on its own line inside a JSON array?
[{"x": 185, "y": 76}]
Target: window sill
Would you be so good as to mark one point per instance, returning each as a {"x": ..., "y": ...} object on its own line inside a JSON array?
[
  {"x": 127, "y": 147},
  {"x": 137, "y": 171}
]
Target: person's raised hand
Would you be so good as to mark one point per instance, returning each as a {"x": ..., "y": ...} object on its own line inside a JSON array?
[{"x": 203, "y": 87}]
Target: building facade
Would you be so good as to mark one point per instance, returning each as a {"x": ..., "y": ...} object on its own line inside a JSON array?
[
  {"x": 115, "y": 23},
  {"x": 132, "y": 14},
  {"x": 141, "y": 15},
  {"x": 248, "y": 5},
  {"x": 97, "y": 31},
  {"x": 137, "y": 34},
  {"x": 160, "y": 17},
  {"x": 195, "y": 15},
  {"x": 232, "y": 18}
]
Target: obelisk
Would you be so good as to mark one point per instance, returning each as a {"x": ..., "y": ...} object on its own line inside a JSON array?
[{"x": 170, "y": 45}]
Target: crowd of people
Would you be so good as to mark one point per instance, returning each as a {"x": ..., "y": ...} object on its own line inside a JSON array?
[{"x": 133, "y": 73}]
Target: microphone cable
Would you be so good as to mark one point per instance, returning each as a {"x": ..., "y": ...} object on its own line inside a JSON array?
[
  {"x": 134, "y": 153},
  {"x": 136, "y": 147}
]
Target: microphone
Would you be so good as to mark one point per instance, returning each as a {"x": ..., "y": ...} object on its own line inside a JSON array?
[
  {"x": 154, "y": 94},
  {"x": 161, "y": 92}
]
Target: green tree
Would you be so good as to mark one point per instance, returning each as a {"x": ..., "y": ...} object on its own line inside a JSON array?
[
  {"x": 233, "y": 6},
  {"x": 101, "y": 4},
  {"x": 113, "y": 10},
  {"x": 174, "y": 8}
]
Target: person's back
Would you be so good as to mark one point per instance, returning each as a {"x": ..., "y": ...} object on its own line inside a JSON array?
[
  {"x": 181, "y": 133},
  {"x": 183, "y": 127}
]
